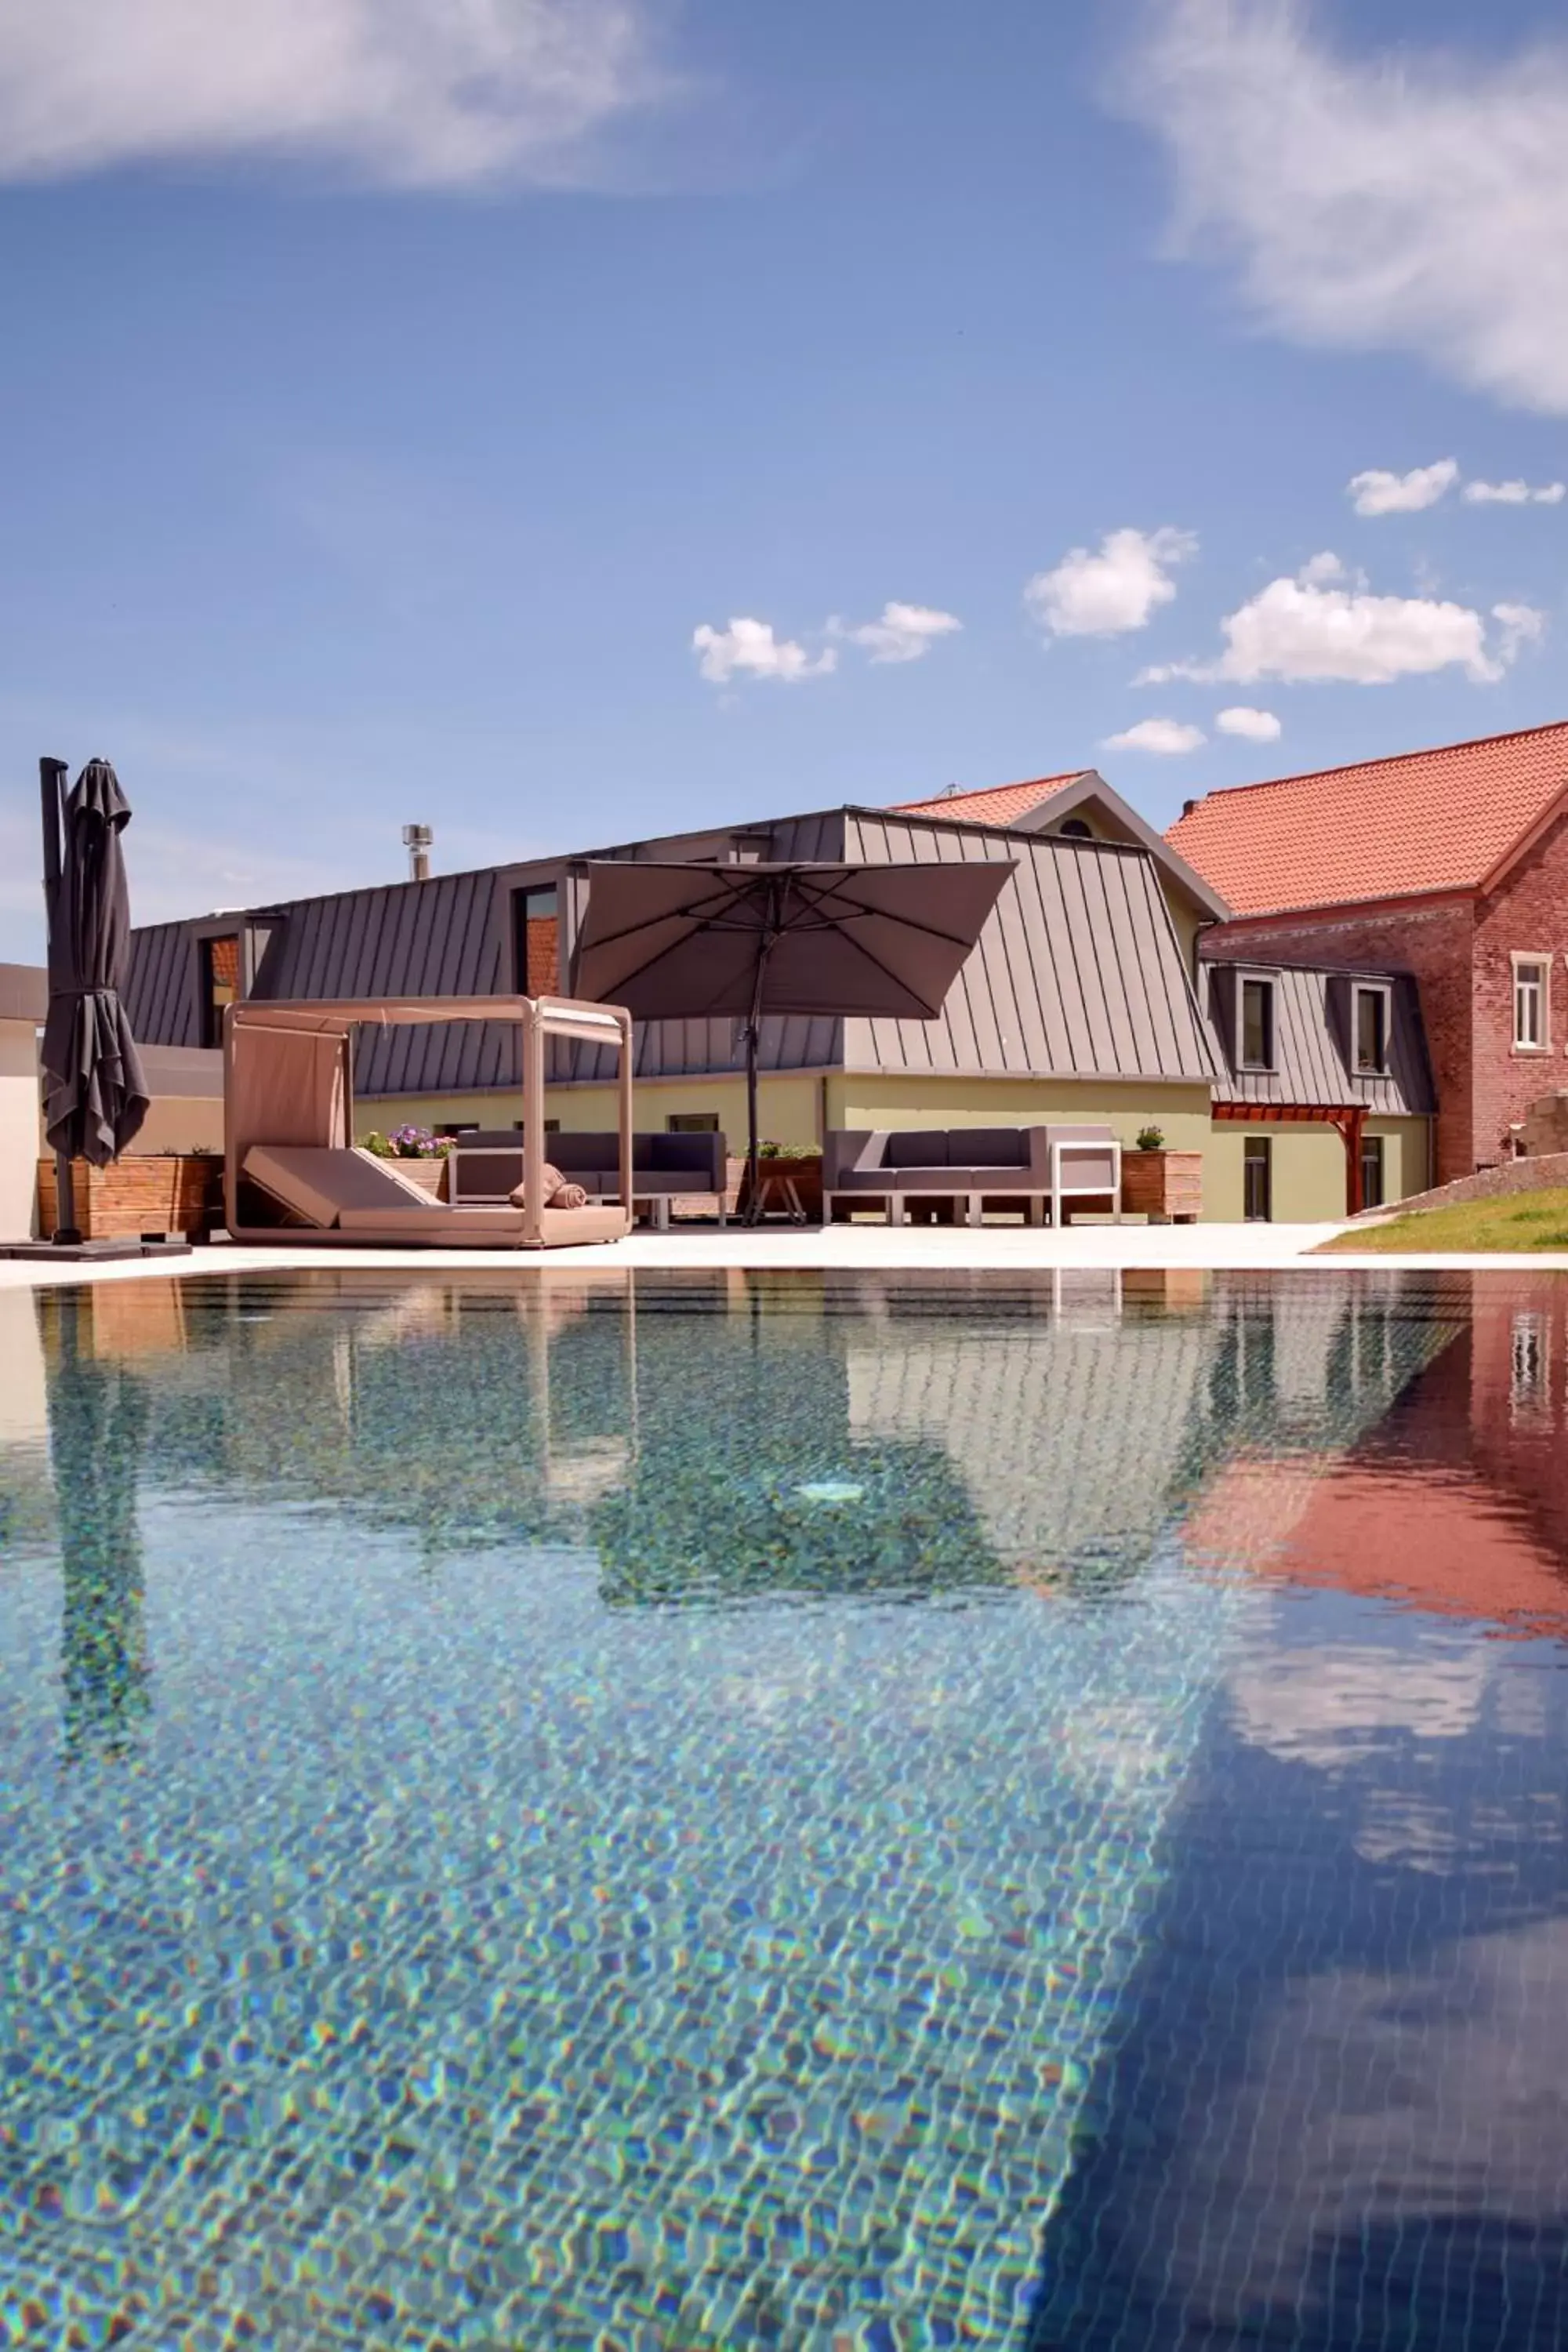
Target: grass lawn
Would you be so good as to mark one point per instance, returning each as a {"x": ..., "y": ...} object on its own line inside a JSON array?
[{"x": 1515, "y": 1221}]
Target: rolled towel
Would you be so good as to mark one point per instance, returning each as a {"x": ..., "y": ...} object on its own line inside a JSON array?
[{"x": 558, "y": 1193}]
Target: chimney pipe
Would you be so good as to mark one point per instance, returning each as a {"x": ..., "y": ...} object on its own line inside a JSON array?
[{"x": 416, "y": 840}]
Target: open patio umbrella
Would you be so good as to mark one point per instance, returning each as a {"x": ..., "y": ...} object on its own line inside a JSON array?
[
  {"x": 676, "y": 942},
  {"x": 95, "y": 1095}
]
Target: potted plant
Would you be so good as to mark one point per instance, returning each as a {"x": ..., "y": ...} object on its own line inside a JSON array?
[
  {"x": 1166, "y": 1187},
  {"x": 420, "y": 1156}
]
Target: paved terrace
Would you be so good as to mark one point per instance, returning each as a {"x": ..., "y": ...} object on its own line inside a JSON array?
[{"x": 1002, "y": 1249}]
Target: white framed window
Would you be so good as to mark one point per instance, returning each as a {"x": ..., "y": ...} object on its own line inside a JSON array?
[
  {"x": 1254, "y": 1021},
  {"x": 1529, "y": 1393},
  {"x": 1532, "y": 1004},
  {"x": 1371, "y": 1008}
]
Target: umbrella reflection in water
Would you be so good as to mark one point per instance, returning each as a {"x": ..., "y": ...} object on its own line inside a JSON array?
[{"x": 97, "y": 1428}]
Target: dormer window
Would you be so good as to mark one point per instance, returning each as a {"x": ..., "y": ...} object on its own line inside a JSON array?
[
  {"x": 219, "y": 985},
  {"x": 1370, "y": 1029},
  {"x": 1255, "y": 1023},
  {"x": 536, "y": 939}
]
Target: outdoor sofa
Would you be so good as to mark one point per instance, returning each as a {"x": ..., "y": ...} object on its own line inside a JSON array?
[
  {"x": 1036, "y": 1166},
  {"x": 291, "y": 1173},
  {"x": 484, "y": 1166}
]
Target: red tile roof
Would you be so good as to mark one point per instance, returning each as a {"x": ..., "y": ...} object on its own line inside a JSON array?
[
  {"x": 1004, "y": 805},
  {"x": 1384, "y": 829}
]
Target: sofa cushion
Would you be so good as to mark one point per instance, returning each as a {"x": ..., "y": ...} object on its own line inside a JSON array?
[
  {"x": 990, "y": 1146},
  {"x": 685, "y": 1154},
  {"x": 992, "y": 1179},
  {"x": 585, "y": 1152},
  {"x": 918, "y": 1147}
]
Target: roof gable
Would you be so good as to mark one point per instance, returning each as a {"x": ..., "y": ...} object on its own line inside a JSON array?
[
  {"x": 1005, "y": 804},
  {"x": 1450, "y": 819},
  {"x": 1041, "y": 807}
]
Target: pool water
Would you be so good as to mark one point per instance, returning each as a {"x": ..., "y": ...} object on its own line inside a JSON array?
[{"x": 818, "y": 1811}]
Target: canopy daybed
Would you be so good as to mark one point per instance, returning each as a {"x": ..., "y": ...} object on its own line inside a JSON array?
[{"x": 291, "y": 1169}]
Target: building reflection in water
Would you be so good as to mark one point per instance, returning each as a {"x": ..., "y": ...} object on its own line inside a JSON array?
[
  {"x": 1454, "y": 1499},
  {"x": 1388, "y": 1432}
]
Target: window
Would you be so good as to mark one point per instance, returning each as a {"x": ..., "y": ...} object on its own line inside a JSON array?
[
  {"x": 1529, "y": 1397},
  {"x": 1256, "y": 1179},
  {"x": 1257, "y": 1026},
  {"x": 692, "y": 1122},
  {"x": 1372, "y": 1172},
  {"x": 537, "y": 940},
  {"x": 1371, "y": 1032},
  {"x": 1074, "y": 828},
  {"x": 1530, "y": 1004},
  {"x": 219, "y": 985}
]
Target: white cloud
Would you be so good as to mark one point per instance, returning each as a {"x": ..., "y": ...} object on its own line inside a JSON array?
[
  {"x": 1254, "y": 726},
  {"x": 410, "y": 93},
  {"x": 1377, "y": 493},
  {"x": 1393, "y": 202},
  {"x": 1168, "y": 736},
  {"x": 904, "y": 633},
  {"x": 1120, "y": 588},
  {"x": 1324, "y": 625},
  {"x": 1515, "y": 494},
  {"x": 1319, "y": 570},
  {"x": 1331, "y": 1704},
  {"x": 749, "y": 648},
  {"x": 1518, "y": 625}
]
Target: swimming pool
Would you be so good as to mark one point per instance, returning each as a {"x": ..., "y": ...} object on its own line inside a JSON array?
[{"x": 815, "y": 1812}]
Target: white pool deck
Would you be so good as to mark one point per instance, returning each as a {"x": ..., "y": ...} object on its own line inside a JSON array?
[{"x": 1000, "y": 1249}]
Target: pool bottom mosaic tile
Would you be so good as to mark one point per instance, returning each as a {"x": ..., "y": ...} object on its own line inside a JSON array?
[
  {"x": 535, "y": 1819},
  {"x": 481, "y": 1968}
]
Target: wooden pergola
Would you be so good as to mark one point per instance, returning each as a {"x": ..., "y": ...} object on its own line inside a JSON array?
[{"x": 1350, "y": 1119}]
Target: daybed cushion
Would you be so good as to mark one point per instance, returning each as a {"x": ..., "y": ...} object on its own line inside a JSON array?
[
  {"x": 320, "y": 1182},
  {"x": 477, "y": 1228}
]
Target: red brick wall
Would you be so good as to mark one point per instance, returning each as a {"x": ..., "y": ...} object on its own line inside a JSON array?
[
  {"x": 1436, "y": 943},
  {"x": 1528, "y": 916}
]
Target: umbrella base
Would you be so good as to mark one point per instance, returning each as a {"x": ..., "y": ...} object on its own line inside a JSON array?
[{"x": 74, "y": 1253}]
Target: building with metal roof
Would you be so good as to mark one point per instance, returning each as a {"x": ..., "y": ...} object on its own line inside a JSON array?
[
  {"x": 1078, "y": 997},
  {"x": 1086, "y": 997}
]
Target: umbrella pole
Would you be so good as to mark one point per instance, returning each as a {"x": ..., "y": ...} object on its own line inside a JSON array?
[
  {"x": 753, "y": 1191},
  {"x": 52, "y": 774},
  {"x": 769, "y": 932}
]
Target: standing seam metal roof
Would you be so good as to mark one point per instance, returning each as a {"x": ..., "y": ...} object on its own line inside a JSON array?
[
  {"x": 1310, "y": 1044},
  {"x": 1077, "y": 972}
]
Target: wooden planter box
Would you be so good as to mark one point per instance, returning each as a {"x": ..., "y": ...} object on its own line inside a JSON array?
[
  {"x": 1166, "y": 1187},
  {"x": 170, "y": 1192},
  {"x": 430, "y": 1175},
  {"x": 804, "y": 1174}
]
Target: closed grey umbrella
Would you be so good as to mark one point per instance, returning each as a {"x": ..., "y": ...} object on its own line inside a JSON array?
[
  {"x": 95, "y": 1095},
  {"x": 680, "y": 942}
]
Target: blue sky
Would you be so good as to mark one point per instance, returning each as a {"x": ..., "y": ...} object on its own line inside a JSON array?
[{"x": 393, "y": 395}]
